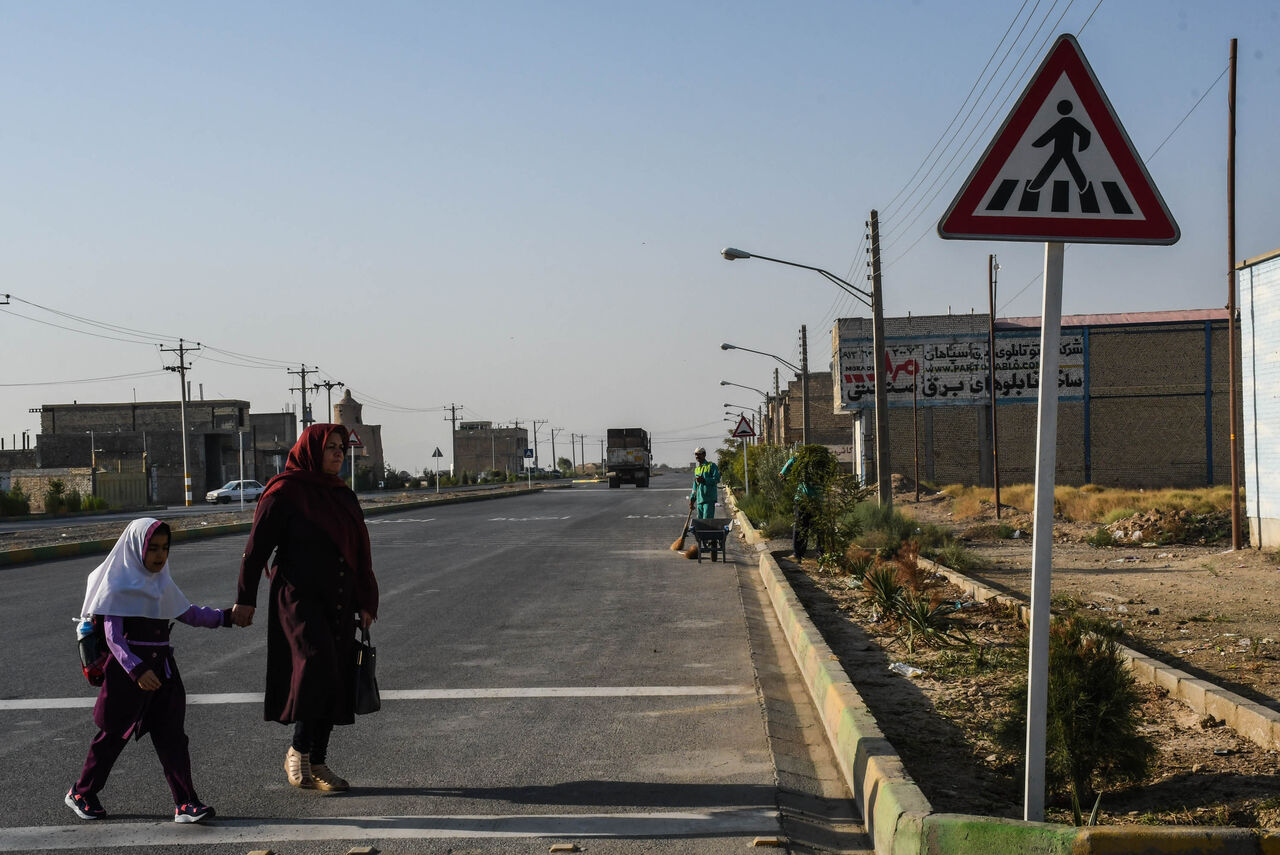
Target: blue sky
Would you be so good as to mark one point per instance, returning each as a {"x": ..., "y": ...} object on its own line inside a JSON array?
[{"x": 518, "y": 206}]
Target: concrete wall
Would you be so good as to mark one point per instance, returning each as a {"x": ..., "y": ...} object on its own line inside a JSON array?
[
  {"x": 1259, "y": 284},
  {"x": 1152, "y": 411},
  {"x": 35, "y": 483}
]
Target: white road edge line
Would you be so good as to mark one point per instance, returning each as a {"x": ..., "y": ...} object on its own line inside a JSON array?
[
  {"x": 425, "y": 695},
  {"x": 723, "y": 822}
]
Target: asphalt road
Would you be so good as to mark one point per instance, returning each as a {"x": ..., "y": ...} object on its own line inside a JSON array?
[{"x": 551, "y": 671}]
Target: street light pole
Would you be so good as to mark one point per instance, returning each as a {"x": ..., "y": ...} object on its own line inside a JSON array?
[{"x": 871, "y": 299}]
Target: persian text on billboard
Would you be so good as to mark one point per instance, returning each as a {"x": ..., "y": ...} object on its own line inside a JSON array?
[{"x": 955, "y": 371}]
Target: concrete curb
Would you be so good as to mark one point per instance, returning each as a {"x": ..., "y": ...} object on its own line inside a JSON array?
[
  {"x": 900, "y": 819},
  {"x": 1258, "y": 724},
  {"x": 35, "y": 554}
]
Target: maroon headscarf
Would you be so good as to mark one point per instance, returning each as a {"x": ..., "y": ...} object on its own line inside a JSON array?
[{"x": 324, "y": 499}]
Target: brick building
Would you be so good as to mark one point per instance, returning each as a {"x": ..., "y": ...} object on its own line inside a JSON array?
[
  {"x": 349, "y": 413},
  {"x": 147, "y": 437},
  {"x": 481, "y": 447},
  {"x": 1143, "y": 398},
  {"x": 783, "y": 422}
]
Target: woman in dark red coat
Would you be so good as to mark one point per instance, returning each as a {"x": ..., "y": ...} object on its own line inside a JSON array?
[{"x": 322, "y": 587}]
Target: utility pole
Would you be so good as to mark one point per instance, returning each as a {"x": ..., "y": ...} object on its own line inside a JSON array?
[
  {"x": 804, "y": 384},
  {"x": 181, "y": 368},
  {"x": 884, "y": 475},
  {"x": 573, "y": 451},
  {"x": 555, "y": 461},
  {"x": 537, "y": 422},
  {"x": 778, "y": 420},
  {"x": 302, "y": 373},
  {"x": 453, "y": 439},
  {"x": 1236, "y": 537},
  {"x": 327, "y": 386}
]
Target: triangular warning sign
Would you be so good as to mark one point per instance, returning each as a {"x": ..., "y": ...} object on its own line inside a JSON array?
[
  {"x": 743, "y": 429},
  {"x": 1061, "y": 169},
  {"x": 353, "y": 440}
]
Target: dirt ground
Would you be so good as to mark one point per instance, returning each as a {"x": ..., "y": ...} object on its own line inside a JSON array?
[{"x": 1202, "y": 608}]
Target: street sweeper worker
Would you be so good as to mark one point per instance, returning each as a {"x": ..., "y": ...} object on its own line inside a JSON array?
[{"x": 702, "y": 499}]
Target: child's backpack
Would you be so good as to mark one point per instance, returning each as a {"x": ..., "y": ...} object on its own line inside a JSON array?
[{"x": 94, "y": 653}]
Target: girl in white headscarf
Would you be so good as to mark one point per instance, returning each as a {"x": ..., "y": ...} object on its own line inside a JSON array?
[{"x": 136, "y": 598}]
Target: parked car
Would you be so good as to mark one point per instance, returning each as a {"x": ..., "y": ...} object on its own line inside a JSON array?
[{"x": 230, "y": 492}]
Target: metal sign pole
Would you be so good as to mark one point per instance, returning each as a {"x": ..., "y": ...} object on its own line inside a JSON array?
[
  {"x": 1042, "y": 534},
  {"x": 746, "y": 477}
]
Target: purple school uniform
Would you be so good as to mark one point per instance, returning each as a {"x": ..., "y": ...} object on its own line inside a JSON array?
[{"x": 124, "y": 710}]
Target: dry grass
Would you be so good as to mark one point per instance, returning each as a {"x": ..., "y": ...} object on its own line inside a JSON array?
[{"x": 1089, "y": 503}]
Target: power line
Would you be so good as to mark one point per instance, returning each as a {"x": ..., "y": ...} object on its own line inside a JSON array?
[{"x": 155, "y": 373}]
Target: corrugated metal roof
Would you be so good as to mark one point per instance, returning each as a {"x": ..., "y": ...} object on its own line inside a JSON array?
[{"x": 1119, "y": 319}]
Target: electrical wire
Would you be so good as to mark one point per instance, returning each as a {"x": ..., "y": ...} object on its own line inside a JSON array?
[
  {"x": 80, "y": 331},
  {"x": 91, "y": 321},
  {"x": 981, "y": 74},
  {"x": 112, "y": 378},
  {"x": 994, "y": 112},
  {"x": 895, "y": 222}
]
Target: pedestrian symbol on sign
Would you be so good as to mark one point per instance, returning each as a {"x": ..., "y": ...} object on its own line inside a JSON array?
[{"x": 1063, "y": 136}]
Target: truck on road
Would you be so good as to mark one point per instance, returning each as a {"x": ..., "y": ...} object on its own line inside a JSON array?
[{"x": 627, "y": 456}]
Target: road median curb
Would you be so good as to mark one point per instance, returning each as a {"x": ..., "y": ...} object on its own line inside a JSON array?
[
  {"x": 898, "y": 816},
  {"x": 36, "y": 554}
]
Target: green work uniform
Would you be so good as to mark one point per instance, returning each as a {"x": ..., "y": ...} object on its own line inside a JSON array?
[
  {"x": 803, "y": 523},
  {"x": 703, "y": 495}
]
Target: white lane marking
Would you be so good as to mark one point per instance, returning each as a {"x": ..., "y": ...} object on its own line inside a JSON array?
[
  {"x": 390, "y": 522},
  {"x": 526, "y": 519},
  {"x": 425, "y": 695},
  {"x": 742, "y": 821},
  {"x": 654, "y": 517}
]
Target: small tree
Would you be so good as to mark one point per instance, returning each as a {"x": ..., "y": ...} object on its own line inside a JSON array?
[
  {"x": 564, "y": 464},
  {"x": 14, "y": 503},
  {"x": 53, "y": 496},
  {"x": 1092, "y": 737}
]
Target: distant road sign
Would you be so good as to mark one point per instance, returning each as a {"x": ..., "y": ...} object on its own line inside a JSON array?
[
  {"x": 744, "y": 429},
  {"x": 353, "y": 440},
  {"x": 437, "y": 453},
  {"x": 528, "y": 452},
  {"x": 1061, "y": 169}
]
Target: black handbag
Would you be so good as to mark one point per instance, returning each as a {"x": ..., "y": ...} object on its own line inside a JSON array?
[{"x": 367, "y": 698}]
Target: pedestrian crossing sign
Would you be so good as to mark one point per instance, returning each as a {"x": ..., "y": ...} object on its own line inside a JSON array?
[{"x": 1061, "y": 169}]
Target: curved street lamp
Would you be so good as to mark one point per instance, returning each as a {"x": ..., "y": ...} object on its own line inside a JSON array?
[
  {"x": 874, "y": 301},
  {"x": 792, "y": 366},
  {"x": 760, "y": 392}
]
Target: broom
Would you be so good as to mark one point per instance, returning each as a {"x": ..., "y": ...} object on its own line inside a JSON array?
[{"x": 679, "y": 544}]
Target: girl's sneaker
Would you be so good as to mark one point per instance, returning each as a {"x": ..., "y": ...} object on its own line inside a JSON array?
[
  {"x": 193, "y": 812},
  {"x": 86, "y": 807}
]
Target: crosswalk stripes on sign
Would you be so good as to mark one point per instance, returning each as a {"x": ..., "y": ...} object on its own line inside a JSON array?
[{"x": 1062, "y": 198}]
